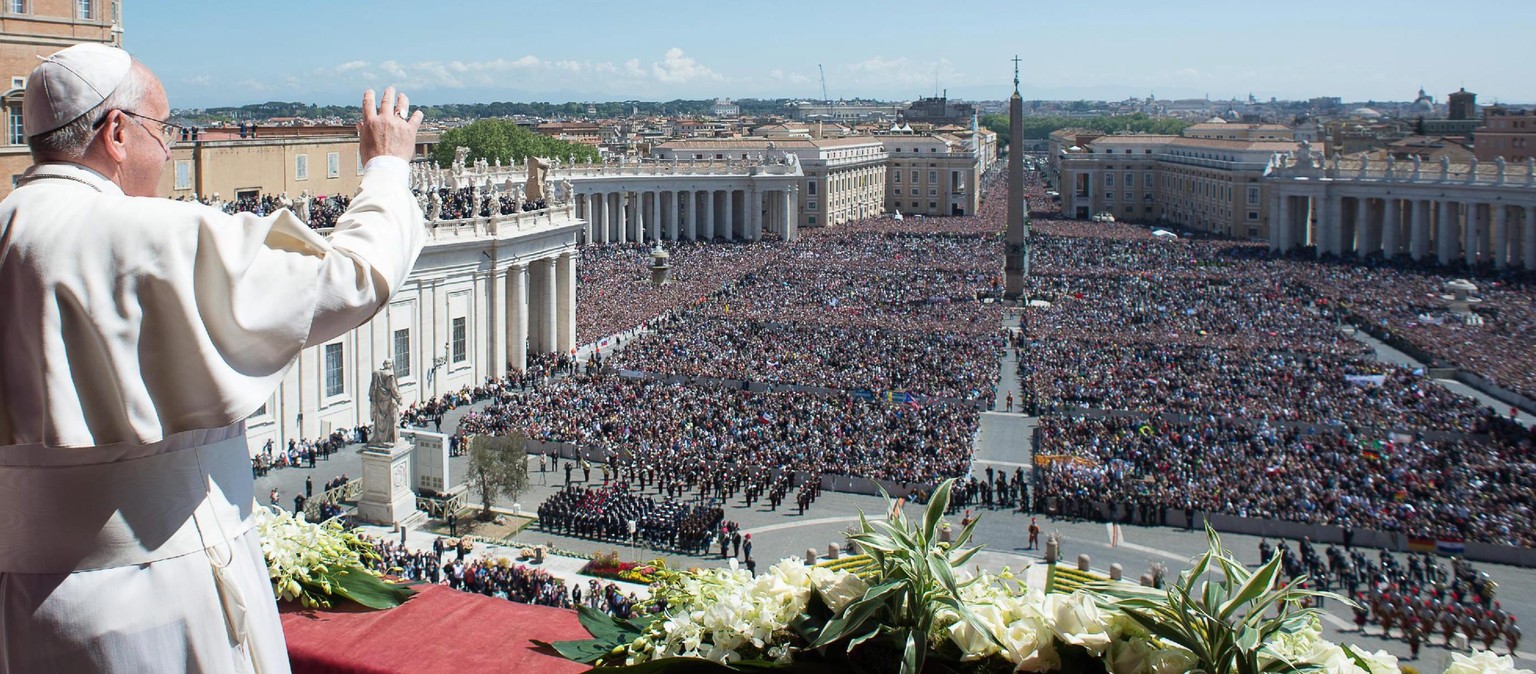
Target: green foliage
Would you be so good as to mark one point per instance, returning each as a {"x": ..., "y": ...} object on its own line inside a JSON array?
[
  {"x": 498, "y": 466},
  {"x": 370, "y": 590},
  {"x": 918, "y": 581},
  {"x": 1217, "y": 610},
  {"x": 506, "y": 141},
  {"x": 1040, "y": 127}
]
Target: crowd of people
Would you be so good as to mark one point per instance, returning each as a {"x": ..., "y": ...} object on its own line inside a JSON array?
[
  {"x": 1409, "y": 304},
  {"x": 613, "y": 513},
  {"x": 1478, "y": 488},
  {"x": 1419, "y": 597},
  {"x": 1179, "y": 374},
  {"x": 702, "y": 428},
  {"x": 469, "y": 202},
  {"x": 614, "y": 289},
  {"x": 319, "y": 212},
  {"x": 497, "y": 578},
  {"x": 934, "y": 364}
]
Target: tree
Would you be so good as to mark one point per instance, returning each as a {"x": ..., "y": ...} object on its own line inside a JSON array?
[
  {"x": 505, "y": 140},
  {"x": 498, "y": 466},
  {"x": 998, "y": 124}
]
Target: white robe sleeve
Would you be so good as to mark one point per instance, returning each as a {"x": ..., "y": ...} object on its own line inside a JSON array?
[{"x": 142, "y": 317}]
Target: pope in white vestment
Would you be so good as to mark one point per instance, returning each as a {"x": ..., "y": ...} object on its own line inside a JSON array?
[{"x": 136, "y": 335}]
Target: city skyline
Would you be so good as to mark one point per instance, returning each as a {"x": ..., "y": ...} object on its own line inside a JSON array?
[{"x": 673, "y": 49}]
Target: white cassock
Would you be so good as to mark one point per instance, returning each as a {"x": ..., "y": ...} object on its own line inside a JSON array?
[{"x": 136, "y": 335}]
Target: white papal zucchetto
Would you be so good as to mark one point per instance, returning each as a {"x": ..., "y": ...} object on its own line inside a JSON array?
[{"x": 70, "y": 83}]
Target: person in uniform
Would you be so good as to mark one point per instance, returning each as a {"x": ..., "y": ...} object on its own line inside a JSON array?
[{"x": 136, "y": 335}]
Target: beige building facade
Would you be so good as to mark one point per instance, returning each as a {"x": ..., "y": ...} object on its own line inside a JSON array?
[
  {"x": 932, "y": 174},
  {"x": 319, "y": 165},
  {"x": 1208, "y": 184},
  {"x": 843, "y": 178},
  {"x": 33, "y": 28}
]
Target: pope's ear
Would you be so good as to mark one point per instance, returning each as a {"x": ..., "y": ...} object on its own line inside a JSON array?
[{"x": 114, "y": 136}]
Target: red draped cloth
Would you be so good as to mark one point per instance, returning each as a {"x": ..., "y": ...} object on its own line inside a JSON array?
[{"x": 440, "y": 630}]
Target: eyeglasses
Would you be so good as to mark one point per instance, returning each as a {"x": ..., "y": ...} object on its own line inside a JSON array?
[{"x": 167, "y": 133}]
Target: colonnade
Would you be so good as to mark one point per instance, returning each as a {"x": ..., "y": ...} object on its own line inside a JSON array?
[
  {"x": 1447, "y": 229},
  {"x": 687, "y": 215},
  {"x": 539, "y": 309}
]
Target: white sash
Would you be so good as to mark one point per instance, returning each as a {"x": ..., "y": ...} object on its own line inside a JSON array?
[{"x": 194, "y": 493}]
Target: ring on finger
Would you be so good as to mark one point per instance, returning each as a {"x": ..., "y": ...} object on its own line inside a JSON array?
[{"x": 401, "y": 113}]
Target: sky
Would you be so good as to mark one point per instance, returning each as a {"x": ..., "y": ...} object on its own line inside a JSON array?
[{"x": 215, "y": 53}]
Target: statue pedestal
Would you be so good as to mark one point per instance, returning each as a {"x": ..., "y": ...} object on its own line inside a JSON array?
[{"x": 387, "y": 498}]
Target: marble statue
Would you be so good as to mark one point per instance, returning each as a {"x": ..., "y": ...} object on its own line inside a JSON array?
[
  {"x": 1391, "y": 165},
  {"x": 384, "y": 402},
  {"x": 538, "y": 176},
  {"x": 460, "y": 153},
  {"x": 1418, "y": 166},
  {"x": 1499, "y": 161},
  {"x": 1445, "y": 168},
  {"x": 434, "y": 205},
  {"x": 565, "y": 191},
  {"x": 1304, "y": 155}
]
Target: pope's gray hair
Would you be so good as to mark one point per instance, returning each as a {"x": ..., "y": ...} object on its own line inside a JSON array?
[{"x": 69, "y": 141}]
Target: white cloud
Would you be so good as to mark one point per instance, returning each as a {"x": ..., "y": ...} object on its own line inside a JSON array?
[
  {"x": 675, "y": 68},
  {"x": 879, "y": 72},
  {"x": 674, "y": 73}
]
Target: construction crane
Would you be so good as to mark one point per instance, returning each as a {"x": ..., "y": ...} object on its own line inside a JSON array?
[{"x": 824, "y": 97}]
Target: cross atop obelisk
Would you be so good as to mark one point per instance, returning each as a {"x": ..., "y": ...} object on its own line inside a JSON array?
[{"x": 1016, "y": 254}]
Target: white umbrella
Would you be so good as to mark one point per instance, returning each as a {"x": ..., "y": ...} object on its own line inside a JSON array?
[
  {"x": 1164, "y": 233},
  {"x": 1039, "y": 303}
]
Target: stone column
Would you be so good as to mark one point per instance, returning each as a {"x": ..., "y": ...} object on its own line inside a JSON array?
[
  {"x": 1420, "y": 229},
  {"x": 549, "y": 309},
  {"x": 598, "y": 215},
  {"x": 1332, "y": 229},
  {"x": 655, "y": 221},
  {"x": 594, "y": 225},
  {"x": 1283, "y": 229},
  {"x": 728, "y": 226},
  {"x": 1528, "y": 238},
  {"x": 1499, "y": 231},
  {"x": 1470, "y": 245},
  {"x": 621, "y": 216},
  {"x": 565, "y": 297},
  {"x": 1447, "y": 233},
  {"x": 517, "y": 317},
  {"x": 709, "y": 215},
  {"x": 671, "y": 214},
  {"x": 1391, "y": 228},
  {"x": 638, "y": 219},
  {"x": 759, "y": 204},
  {"x": 1485, "y": 232},
  {"x": 792, "y": 213},
  {"x": 691, "y": 215}
]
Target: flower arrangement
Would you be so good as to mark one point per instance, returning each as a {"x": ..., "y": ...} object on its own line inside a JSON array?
[
  {"x": 312, "y": 563},
  {"x": 610, "y": 566},
  {"x": 919, "y": 611}
]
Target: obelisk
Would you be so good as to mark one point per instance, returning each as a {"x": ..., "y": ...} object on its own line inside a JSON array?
[{"x": 1016, "y": 253}]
